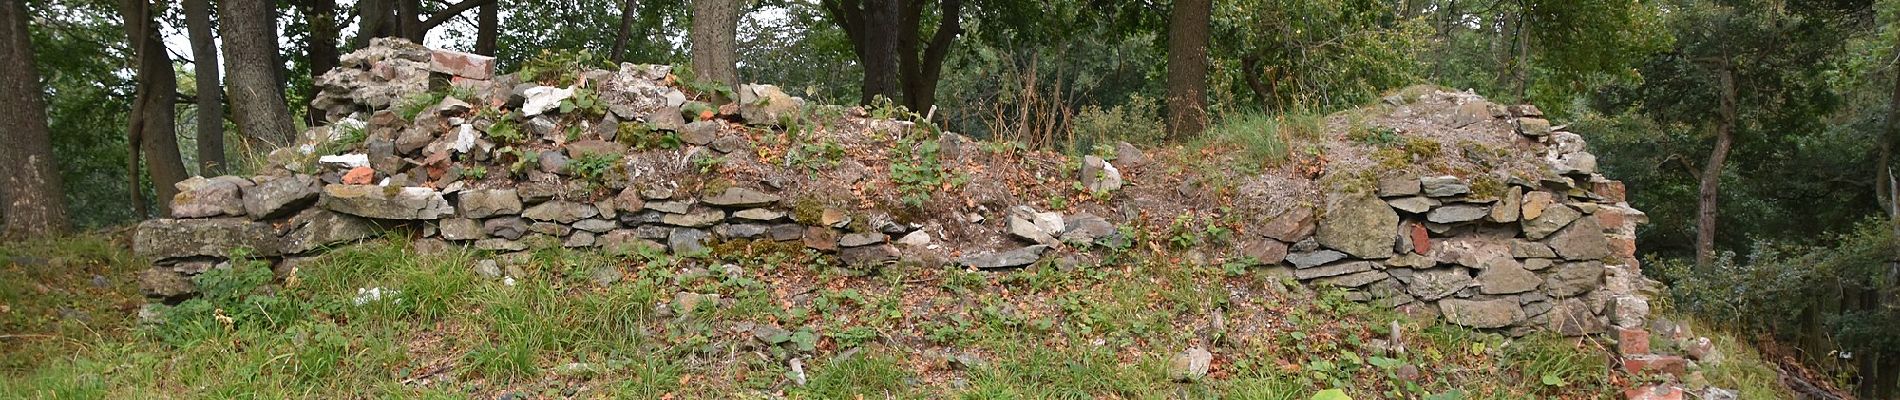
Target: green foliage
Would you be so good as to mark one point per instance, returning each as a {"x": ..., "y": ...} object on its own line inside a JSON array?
[
  {"x": 1325, "y": 54},
  {"x": 917, "y": 171},
  {"x": 475, "y": 172},
  {"x": 503, "y": 129},
  {"x": 1137, "y": 121},
  {"x": 414, "y": 105},
  {"x": 1377, "y": 136},
  {"x": 585, "y": 103},
  {"x": 593, "y": 167},
  {"x": 815, "y": 156},
  {"x": 1262, "y": 138},
  {"x": 642, "y": 136},
  {"x": 559, "y": 67},
  {"x": 348, "y": 136},
  {"x": 691, "y": 80},
  {"x": 1785, "y": 288}
]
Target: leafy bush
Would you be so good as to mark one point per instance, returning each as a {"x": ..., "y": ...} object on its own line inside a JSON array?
[
  {"x": 593, "y": 167},
  {"x": 916, "y": 170},
  {"x": 559, "y": 68},
  {"x": 1786, "y": 289},
  {"x": 1138, "y": 121}
]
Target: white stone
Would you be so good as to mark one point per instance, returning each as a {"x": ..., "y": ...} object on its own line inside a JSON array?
[
  {"x": 915, "y": 239},
  {"x": 1050, "y": 223},
  {"x": 544, "y": 98},
  {"x": 464, "y": 139},
  {"x": 351, "y": 160}
]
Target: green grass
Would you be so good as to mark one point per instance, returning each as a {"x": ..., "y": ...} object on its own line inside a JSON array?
[
  {"x": 1098, "y": 331},
  {"x": 1264, "y": 140}
]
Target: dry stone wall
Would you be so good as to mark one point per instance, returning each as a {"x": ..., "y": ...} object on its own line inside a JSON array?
[{"x": 503, "y": 166}]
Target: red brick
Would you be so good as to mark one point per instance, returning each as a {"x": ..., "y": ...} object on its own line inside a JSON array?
[
  {"x": 1611, "y": 221},
  {"x": 1421, "y": 239},
  {"x": 1623, "y": 247},
  {"x": 1631, "y": 342},
  {"x": 466, "y": 65},
  {"x": 1612, "y": 191},
  {"x": 1672, "y": 365},
  {"x": 359, "y": 176},
  {"x": 1653, "y": 392}
]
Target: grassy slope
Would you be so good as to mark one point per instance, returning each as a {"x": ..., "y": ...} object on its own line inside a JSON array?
[{"x": 1103, "y": 331}]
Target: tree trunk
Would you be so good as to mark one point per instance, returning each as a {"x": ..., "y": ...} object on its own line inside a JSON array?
[
  {"x": 376, "y": 18},
  {"x": 628, "y": 10},
  {"x": 204, "y": 63},
  {"x": 154, "y": 119},
  {"x": 487, "y": 28},
  {"x": 1250, "y": 71},
  {"x": 714, "y": 40},
  {"x": 1711, "y": 179},
  {"x": 1521, "y": 70},
  {"x": 922, "y": 63},
  {"x": 1187, "y": 67},
  {"x": 871, "y": 27},
  {"x": 32, "y": 196},
  {"x": 321, "y": 49},
  {"x": 249, "y": 29},
  {"x": 409, "y": 20}
]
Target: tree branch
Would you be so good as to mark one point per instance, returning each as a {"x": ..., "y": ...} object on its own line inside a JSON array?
[{"x": 451, "y": 12}]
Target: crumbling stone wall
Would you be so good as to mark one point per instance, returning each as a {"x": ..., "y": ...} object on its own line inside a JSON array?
[{"x": 502, "y": 169}]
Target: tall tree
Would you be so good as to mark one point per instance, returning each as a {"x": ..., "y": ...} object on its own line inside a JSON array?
[
  {"x": 629, "y": 10},
  {"x": 204, "y": 62},
  {"x": 896, "y": 59},
  {"x": 921, "y": 63},
  {"x": 32, "y": 197},
  {"x": 374, "y": 19},
  {"x": 1188, "y": 25},
  {"x": 714, "y": 39},
  {"x": 404, "y": 18},
  {"x": 868, "y": 24},
  {"x": 249, "y": 30},
  {"x": 1708, "y": 193},
  {"x": 151, "y": 133},
  {"x": 487, "y": 27},
  {"x": 321, "y": 51}
]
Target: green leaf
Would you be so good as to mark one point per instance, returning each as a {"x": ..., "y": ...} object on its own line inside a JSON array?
[
  {"x": 1384, "y": 363},
  {"x": 1331, "y": 394},
  {"x": 1551, "y": 379},
  {"x": 1454, "y": 394}
]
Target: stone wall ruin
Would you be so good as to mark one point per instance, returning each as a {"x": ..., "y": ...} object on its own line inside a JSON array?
[{"x": 502, "y": 165}]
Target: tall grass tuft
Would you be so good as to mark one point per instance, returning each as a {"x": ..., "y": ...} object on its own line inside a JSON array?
[{"x": 1263, "y": 139}]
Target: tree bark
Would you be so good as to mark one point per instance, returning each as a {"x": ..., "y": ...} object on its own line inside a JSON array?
[
  {"x": 375, "y": 18},
  {"x": 1522, "y": 66},
  {"x": 409, "y": 20},
  {"x": 249, "y": 29},
  {"x": 204, "y": 63},
  {"x": 487, "y": 28},
  {"x": 32, "y": 195},
  {"x": 1711, "y": 179},
  {"x": 869, "y": 24},
  {"x": 154, "y": 119},
  {"x": 714, "y": 40},
  {"x": 628, "y": 11},
  {"x": 1250, "y": 71},
  {"x": 1188, "y": 27},
  {"x": 922, "y": 63},
  {"x": 322, "y": 49}
]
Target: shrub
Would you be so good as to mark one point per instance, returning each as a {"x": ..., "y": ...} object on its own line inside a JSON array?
[
  {"x": 1138, "y": 121},
  {"x": 1787, "y": 289}
]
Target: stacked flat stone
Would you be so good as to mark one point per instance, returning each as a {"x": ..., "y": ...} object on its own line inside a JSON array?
[{"x": 1554, "y": 251}]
